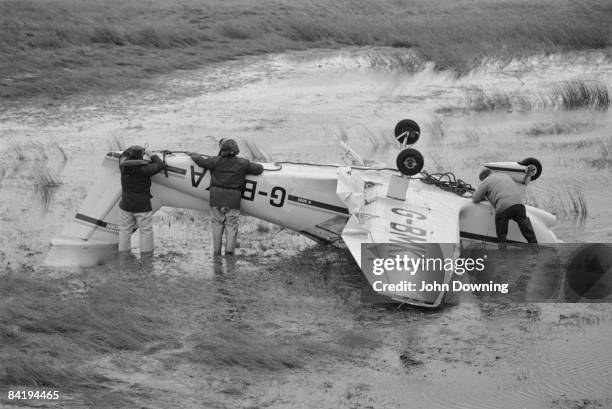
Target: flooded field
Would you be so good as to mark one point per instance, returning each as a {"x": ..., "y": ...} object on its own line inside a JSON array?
[{"x": 290, "y": 323}]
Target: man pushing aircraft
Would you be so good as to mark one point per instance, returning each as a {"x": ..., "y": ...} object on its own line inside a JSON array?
[
  {"x": 505, "y": 196},
  {"x": 228, "y": 173}
]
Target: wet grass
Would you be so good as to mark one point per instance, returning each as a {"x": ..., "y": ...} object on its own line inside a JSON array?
[
  {"x": 35, "y": 167},
  {"x": 480, "y": 100},
  {"x": 47, "y": 336},
  {"x": 87, "y": 333},
  {"x": 227, "y": 346},
  {"x": 567, "y": 95},
  {"x": 583, "y": 94},
  {"x": 103, "y": 321},
  {"x": 558, "y": 128},
  {"x": 60, "y": 47},
  {"x": 568, "y": 203},
  {"x": 46, "y": 183},
  {"x": 26, "y": 370}
]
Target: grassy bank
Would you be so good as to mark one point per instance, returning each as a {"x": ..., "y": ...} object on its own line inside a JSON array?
[
  {"x": 128, "y": 334},
  {"x": 59, "y": 47}
]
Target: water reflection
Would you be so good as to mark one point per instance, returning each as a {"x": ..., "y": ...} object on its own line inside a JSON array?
[
  {"x": 80, "y": 256},
  {"x": 224, "y": 266}
]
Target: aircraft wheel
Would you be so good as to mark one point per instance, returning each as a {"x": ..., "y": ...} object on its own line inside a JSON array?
[
  {"x": 410, "y": 162},
  {"x": 533, "y": 162},
  {"x": 407, "y": 130}
]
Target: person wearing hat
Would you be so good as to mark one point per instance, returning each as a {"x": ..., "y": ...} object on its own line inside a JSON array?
[
  {"x": 505, "y": 196},
  {"x": 135, "y": 210},
  {"x": 228, "y": 172}
]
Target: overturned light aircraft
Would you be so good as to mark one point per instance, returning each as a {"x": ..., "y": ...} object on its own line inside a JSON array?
[{"x": 415, "y": 213}]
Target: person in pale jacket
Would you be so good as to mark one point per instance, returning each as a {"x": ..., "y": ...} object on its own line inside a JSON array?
[{"x": 505, "y": 196}]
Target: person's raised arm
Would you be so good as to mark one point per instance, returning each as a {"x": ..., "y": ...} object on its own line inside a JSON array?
[
  {"x": 206, "y": 163},
  {"x": 152, "y": 168},
  {"x": 255, "y": 168}
]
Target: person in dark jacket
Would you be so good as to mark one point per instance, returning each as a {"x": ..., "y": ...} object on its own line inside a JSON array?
[
  {"x": 135, "y": 207},
  {"x": 227, "y": 179},
  {"x": 505, "y": 196}
]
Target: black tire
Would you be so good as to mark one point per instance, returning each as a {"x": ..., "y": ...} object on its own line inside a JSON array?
[
  {"x": 534, "y": 162},
  {"x": 410, "y": 162},
  {"x": 413, "y": 131}
]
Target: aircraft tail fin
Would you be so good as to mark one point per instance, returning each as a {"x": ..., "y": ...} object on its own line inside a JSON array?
[{"x": 97, "y": 220}]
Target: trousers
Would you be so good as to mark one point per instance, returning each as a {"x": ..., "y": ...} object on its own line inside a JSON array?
[
  {"x": 518, "y": 214},
  {"x": 128, "y": 223},
  {"x": 224, "y": 219}
]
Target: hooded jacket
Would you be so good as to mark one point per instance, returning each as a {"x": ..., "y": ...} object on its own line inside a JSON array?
[
  {"x": 228, "y": 173},
  {"x": 136, "y": 184}
]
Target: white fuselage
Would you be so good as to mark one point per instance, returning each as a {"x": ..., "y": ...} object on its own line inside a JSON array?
[{"x": 298, "y": 196}]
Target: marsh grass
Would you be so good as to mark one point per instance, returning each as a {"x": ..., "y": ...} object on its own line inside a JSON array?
[
  {"x": 46, "y": 182},
  {"x": 480, "y": 100},
  {"x": 567, "y": 95},
  {"x": 25, "y": 369},
  {"x": 566, "y": 202},
  {"x": 558, "y": 128},
  {"x": 61, "y": 333},
  {"x": 227, "y": 346},
  {"x": 35, "y": 167},
  {"x": 58, "y": 47},
  {"x": 583, "y": 94}
]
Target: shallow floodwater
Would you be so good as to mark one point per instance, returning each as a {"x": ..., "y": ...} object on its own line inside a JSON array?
[{"x": 297, "y": 106}]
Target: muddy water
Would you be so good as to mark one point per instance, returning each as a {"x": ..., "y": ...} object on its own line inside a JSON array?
[{"x": 296, "y": 107}]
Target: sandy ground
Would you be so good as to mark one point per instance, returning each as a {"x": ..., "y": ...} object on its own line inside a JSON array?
[{"x": 290, "y": 323}]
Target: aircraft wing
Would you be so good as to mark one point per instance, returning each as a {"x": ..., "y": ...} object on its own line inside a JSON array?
[{"x": 425, "y": 225}]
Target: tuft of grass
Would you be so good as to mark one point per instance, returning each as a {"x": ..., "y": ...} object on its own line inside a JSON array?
[
  {"x": 556, "y": 128},
  {"x": 578, "y": 94},
  {"x": 601, "y": 163},
  {"x": 226, "y": 345},
  {"x": 55, "y": 48},
  {"x": 566, "y": 202},
  {"x": 46, "y": 183},
  {"x": 106, "y": 321},
  {"x": 27, "y": 370},
  {"x": 254, "y": 152},
  {"x": 568, "y": 95},
  {"x": 51, "y": 338},
  {"x": 480, "y": 100},
  {"x": 579, "y": 144},
  {"x": 223, "y": 346}
]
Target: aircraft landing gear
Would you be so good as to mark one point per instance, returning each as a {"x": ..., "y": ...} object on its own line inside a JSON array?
[
  {"x": 410, "y": 162},
  {"x": 407, "y": 132},
  {"x": 534, "y": 167}
]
